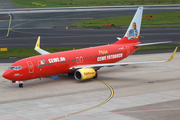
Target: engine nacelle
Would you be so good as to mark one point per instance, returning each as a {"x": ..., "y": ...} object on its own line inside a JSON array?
[{"x": 85, "y": 73}]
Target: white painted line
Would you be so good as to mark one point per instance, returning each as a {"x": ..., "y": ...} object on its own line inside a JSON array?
[{"x": 80, "y": 9}]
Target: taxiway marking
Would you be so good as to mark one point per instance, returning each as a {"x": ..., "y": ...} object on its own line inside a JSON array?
[
  {"x": 9, "y": 28},
  {"x": 51, "y": 19},
  {"x": 3, "y": 81},
  {"x": 111, "y": 95}
]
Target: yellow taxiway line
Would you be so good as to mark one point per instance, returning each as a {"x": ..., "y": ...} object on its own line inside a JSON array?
[
  {"x": 9, "y": 25},
  {"x": 111, "y": 95}
]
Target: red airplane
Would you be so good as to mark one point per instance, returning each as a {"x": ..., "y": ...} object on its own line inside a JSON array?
[{"x": 83, "y": 63}]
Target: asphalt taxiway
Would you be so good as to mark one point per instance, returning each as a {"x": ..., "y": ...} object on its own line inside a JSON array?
[
  {"x": 20, "y": 30},
  {"x": 134, "y": 92},
  {"x": 57, "y": 37}
]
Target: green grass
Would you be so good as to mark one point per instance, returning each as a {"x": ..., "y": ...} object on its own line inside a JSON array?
[
  {"x": 166, "y": 19},
  {"x": 78, "y": 3},
  {"x": 22, "y": 52}
]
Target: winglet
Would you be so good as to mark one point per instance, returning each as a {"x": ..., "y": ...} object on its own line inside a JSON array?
[
  {"x": 37, "y": 43},
  {"x": 38, "y": 49},
  {"x": 172, "y": 56}
]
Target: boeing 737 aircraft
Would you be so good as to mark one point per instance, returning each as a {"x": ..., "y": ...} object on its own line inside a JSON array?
[{"x": 82, "y": 63}]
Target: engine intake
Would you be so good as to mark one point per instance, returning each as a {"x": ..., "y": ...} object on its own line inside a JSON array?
[{"x": 85, "y": 73}]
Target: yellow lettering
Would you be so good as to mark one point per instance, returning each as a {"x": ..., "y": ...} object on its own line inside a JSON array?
[{"x": 103, "y": 52}]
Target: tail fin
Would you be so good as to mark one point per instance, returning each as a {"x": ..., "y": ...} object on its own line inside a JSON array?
[{"x": 133, "y": 32}]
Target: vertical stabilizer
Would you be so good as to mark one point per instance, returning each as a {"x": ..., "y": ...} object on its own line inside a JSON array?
[
  {"x": 133, "y": 32},
  {"x": 135, "y": 26}
]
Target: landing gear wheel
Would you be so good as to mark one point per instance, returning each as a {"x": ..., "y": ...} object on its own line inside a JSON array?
[{"x": 21, "y": 85}]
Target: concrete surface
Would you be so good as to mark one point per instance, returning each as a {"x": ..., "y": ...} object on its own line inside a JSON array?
[{"x": 135, "y": 92}]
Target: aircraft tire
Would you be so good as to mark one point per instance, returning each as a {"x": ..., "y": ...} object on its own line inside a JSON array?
[{"x": 20, "y": 85}]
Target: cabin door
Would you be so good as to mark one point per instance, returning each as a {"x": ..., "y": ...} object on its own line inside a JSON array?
[
  {"x": 128, "y": 50},
  {"x": 30, "y": 67}
]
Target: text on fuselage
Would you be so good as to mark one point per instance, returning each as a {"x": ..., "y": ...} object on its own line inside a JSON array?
[
  {"x": 110, "y": 57},
  {"x": 57, "y": 59},
  {"x": 103, "y": 52}
]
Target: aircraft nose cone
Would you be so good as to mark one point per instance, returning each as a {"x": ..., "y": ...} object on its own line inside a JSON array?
[{"x": 7, "y": 75}]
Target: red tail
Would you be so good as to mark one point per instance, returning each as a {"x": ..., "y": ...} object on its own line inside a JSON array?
[{"x": 125, "y": 40}]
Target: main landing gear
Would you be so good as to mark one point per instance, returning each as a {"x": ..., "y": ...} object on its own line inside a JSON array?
[{"x": 96, "y": 75}]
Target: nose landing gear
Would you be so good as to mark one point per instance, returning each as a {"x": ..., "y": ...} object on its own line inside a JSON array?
[{"x": 20, "y": 83}]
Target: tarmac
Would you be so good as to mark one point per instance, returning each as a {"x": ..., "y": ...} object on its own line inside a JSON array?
[
  {"x": 20, "y": 30},
  {"x": 133, "y": 92}
]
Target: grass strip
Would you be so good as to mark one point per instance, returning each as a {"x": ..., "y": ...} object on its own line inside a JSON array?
[
  {"x": 84, "y": 3},
  {"x": 22, "y": 52},
  {"x": 166, "y": 19}
]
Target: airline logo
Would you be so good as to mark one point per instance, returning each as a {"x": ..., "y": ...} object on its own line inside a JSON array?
[
  {"x": 38, "y": 43},
  {"x": 57, "y": 59},
  {"x": 41, "y": 62}
]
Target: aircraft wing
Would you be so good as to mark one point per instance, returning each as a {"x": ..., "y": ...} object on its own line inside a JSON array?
[
  {"x": 38, "y": 49},
  {"x": 121, "y": 64}
]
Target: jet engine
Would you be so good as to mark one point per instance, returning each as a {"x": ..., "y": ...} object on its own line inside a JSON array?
[{"x": 84, "y": 73}]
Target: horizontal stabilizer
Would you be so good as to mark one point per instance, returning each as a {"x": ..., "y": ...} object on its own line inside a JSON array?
[{"x": 146, "y": 44}]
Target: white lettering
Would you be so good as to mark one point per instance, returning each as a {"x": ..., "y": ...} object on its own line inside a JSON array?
[
  {"x": 101, "y": 58},
  {"x": 109, "y": 57},
  {"x": 50, "y": 60},
  {"x": 53, "y": 60},
  {"x": 62, "y": 59}
]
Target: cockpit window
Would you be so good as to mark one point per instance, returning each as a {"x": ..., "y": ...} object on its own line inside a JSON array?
[{"x": 15, "y": 67}]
